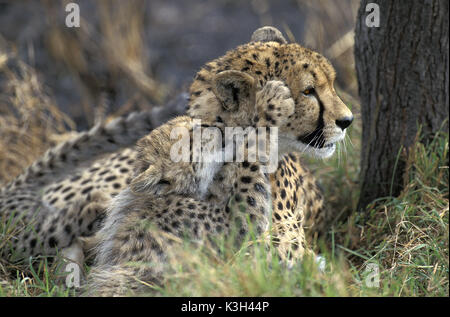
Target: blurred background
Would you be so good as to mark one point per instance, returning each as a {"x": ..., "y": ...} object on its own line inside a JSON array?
[{"x": 132, "y": 55}]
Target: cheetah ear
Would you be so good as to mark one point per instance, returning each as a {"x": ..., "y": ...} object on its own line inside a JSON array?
[
  {"x": 235, "y": 90},
  {"x": 267, "y": 34},
  {"x": 146, "y": 181}
]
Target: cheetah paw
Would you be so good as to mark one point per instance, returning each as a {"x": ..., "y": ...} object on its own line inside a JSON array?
[{"x": 275, "y": 103}]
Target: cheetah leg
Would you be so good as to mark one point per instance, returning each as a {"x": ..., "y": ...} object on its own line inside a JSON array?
[
  {"x": 71, "y": 268},
  {"x": 74, "y": 253},
  {"x": 90, "y": 218}
]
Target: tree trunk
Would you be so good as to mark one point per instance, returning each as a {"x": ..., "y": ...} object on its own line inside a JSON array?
[{"x": 403, "y": 76}]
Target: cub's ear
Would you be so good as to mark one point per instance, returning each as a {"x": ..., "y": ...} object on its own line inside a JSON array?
[
  {"x": 268, "y": 34},
  {"x": 149, "y": 181},
  {"x": 145, "y": 180},
  {"x": 235, "y": 90}
]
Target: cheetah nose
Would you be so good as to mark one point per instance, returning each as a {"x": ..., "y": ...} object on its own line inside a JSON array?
[{"x": 344, "y": 122}]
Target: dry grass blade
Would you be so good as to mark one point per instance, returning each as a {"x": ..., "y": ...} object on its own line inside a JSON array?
[
  {"x": 30, "y": 121},
  {"x": 122, "y": 27}
]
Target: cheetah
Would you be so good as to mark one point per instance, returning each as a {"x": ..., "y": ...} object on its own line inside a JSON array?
[
  {"x": 137, "y": 231},
  {"x": 64, "y": 195},
  {"x": 319, "y": 121},
  {"x": 127, "y": 225}
]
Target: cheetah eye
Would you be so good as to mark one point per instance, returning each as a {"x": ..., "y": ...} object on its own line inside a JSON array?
[{"x": 308, "y": 91}]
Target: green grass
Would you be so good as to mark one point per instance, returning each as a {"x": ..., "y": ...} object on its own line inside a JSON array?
[
  {"x": 405, "y": 236},
  {"x": 254, "y": 271}
]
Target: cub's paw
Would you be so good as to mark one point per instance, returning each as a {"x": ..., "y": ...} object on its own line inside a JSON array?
[{"x": 274, "y": 103}]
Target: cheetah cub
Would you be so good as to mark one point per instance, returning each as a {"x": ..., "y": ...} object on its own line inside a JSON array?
[{"x": 167, "y": 200}]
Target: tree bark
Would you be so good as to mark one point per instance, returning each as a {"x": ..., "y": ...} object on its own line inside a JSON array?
[{"x": 403, "y": 76}]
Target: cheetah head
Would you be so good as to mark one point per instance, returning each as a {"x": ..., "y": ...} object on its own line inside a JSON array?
[{"x": 320, "y": 118}]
